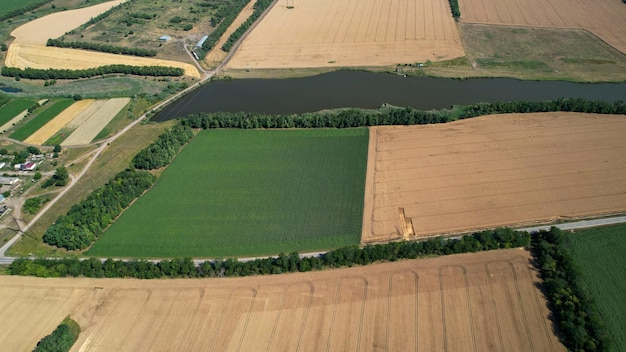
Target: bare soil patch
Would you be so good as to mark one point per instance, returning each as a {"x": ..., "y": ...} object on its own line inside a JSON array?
[
  {"x": 90, "y": 128},
  {"x": 341, "y": 33},
  {"x": 604, "y": 18},
  {"x": 493, "y": 171},
  {"x": 62, "y": 119},
  {"x": 474, "y": 302}
]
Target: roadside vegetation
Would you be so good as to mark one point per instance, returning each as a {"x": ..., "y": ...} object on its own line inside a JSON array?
[
  {"x": 343, "y": 257},
  {"x": 61, "y": 339},
  {"x": 574, "y": 310},
  {"x": 259, "y": 7},
  {"x": 221, "y": 20},
  {"x": 599, "y": 256}
]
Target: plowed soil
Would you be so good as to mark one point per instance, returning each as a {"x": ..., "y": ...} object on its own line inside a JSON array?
[
  {"x": 332, "y": 33},
  {"x": 604, "y": 18},
  {"x": 470, "y": 302},
  {"x": 493, "y": 171}
]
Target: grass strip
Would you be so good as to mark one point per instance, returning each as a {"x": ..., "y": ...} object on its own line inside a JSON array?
[{"x": 41, "y": 119}]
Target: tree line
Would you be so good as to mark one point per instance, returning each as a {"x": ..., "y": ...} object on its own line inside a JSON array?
[
  {"x": 61, "y": 339},
  {"x": 23, "y": 10},
  {"x": 164, "y": 149},
  {"x": 456, "y": 11},
  {"x": 259, "y": 7},
  {"x": 223, "y": 18},
  {"x": 53, "y": 73},
  {"x": 86, "y": 221},
  {"x": 575, "y": 312},
  {"x": 105, "y": 48},
  {"x": 406, "y": 116},
  {"x": 343, "y": 257},
  {"x": 103, "y": 15}
]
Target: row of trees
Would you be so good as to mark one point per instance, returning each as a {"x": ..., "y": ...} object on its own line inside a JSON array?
[
  {"x": 575, "y": 312},
  {"x": 23, "y": 10},
  {"x": 223, "y": 18},
  {"x": 103, "y": 15},
  {"x": 86, "y": 221},
  {"x": 52, "y": 73},
  {"x": 164, "y": 149},
  {"x": 105, "y": 48},
  {"x": 342, "y": 257},
  {"x": 406, "y": 116},
  {"x": 454, "y": 7},
  {"x": 259, "y": 7},
  {"x": 61, "y": 339}
]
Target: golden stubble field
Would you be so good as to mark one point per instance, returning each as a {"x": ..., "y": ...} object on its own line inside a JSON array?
[
  {"x": 490, "y": 171},
  {"x": 336, "y": 33},
  {"x": 470, "y": 302},
  {"x": 29, "y": 47},
  {"x": 604, "y": 18}
]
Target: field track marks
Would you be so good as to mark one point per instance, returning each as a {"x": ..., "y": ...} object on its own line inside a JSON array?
[
  {"x": 186, "y": 334},
  {"x": 515, "y": 337},
  {"x": 261, "y": 324},
  {"x": 485, "y": 320},
  {"x": 375, "y": 328},
  {"x": 289, "y": 324},
  {"x": 232, "y": 325},
  {"x": 430, "y": 309},
  {"x": 403, "y": 307},
  {"x": 457, "y": 309},
  {"x": 120, "y": 312},
  {"x": 175, "y": 324},
  {"x": 280, "y": 311},
  {"x": 205, "y": 320},
  {"x": 348, "y": 312}
]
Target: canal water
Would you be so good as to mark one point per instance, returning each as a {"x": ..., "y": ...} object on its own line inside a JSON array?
[{"x": 361, "y": 89}]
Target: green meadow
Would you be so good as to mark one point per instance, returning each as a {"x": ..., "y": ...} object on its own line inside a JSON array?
[
  {"x": 249, "y": 192},
  {"x": 14, "y": 107}
]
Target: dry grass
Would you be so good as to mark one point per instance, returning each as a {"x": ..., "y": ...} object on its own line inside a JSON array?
[
  {"x": 90, "y": 128},
  {"x": 62, "y": 119},
  {"x": 469, "y": 302},
  {"x": 494, "y": 171},
  {"x": 332, "y": 33}
]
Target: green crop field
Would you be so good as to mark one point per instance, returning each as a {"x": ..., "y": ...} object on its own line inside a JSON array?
[
  {"x": 601, "y": 255},
  {"x": 249, "y": 192},
  {"x": 41, "y": 119},
  {"x": 10, "y": 5},
  {"x": 14, "y": 107}
]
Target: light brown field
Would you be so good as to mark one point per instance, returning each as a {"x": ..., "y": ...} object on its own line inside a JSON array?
[
  {"x": 29, "y": 47},
  {"x": 62, "y": 119},
  {"x": 604, "y": 18},
  {"x": 334, "y": 33},
  {"x": 95, "y": 122},
  {"x": 470, "y": 302},
  {"x": 494, "y": 171},
  {"x": 216, "y": 56}
]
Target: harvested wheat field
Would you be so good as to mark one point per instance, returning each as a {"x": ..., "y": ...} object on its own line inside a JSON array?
[
  {"x": 469, "y": 302},
  {"x": 604, "y": 18},
  {"x": 493, "y": 171},
  {"x": 333, "y": 33},
  {"x": 62, "y": 119},
  {"x": 88, "y": 129},
  {"x": 29, "y": 47}
]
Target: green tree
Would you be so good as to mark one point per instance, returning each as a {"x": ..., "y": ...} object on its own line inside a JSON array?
[{"x": 37, "y": 175}]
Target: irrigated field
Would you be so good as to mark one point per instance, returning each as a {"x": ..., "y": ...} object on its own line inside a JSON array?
[
  {"x": 470, "y": 302},
  {"x": 599, "y": 254},
  {"x": 249, "y": 192},
  {"x": 493, "y": 171},
  {"x": 41, "y": 119},
  {"x": 341, "y": 33},
  {"x": 604, "y": 18}
]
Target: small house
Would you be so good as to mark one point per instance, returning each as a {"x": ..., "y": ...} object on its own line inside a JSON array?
[{"x": 165, "y": 38}]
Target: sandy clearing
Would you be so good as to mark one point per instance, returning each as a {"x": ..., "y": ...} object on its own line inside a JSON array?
[
  {"x": 494, "y": 171},
  {"x": 37, "y": 32},
  {"x": 604, "y": 18},
  {"x": 89, "y": 129},
  {"x": 331, "y": 33},
  {"x": 43, "y": 57},
  {"x": 217, "y": 55},
  {"x": 53, "y": 126},
  {"x": 403, "y": 304}
]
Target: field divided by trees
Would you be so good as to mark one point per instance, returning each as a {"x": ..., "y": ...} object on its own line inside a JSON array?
[
  {"x": 599, "y": 254},
  {"x": 14, "y": 107},
  {"x": 249, "y": 192}
]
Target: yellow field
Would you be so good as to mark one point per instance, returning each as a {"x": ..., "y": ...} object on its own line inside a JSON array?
[
  {"x": 29, "y": 50},
  {"x": 604, "y": 18},
  {"x": 470, "y": 302},
  {"x": 62, "y": 119},
  {"x": 334, "y": 33}
]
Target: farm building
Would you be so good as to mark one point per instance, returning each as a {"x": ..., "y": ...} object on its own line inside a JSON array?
[
  {"x": 9, "y": 181},
  {"x": 29, "y": 166},
  {"x": 201, "y": 42},
  {"x": 165, "y": 38}
]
